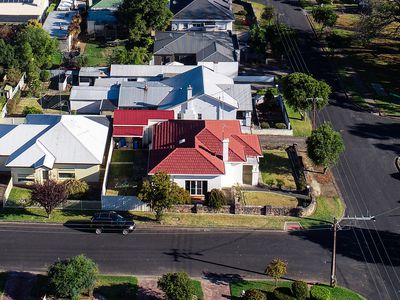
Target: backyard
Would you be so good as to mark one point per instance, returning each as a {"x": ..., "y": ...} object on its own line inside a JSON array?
[
  {"x": 275, "y": 169},
  {"x": 97, "y": 53}
]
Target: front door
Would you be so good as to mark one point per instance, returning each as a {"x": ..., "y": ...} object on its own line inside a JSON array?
[{"x": 247, "y": 174}]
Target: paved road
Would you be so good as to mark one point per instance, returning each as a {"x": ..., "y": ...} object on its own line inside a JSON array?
[
  {"x": 154, "y": 252},
  {"x": 366, "y": 174}
]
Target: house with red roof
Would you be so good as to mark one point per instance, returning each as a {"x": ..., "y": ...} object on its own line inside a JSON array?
[
  {"x": 135, "y": 125},
  {"x": 200, "y": 155}
]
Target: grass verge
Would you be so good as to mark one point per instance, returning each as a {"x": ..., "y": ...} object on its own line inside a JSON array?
[
  {"x": 300, "y": 127},
  {"x": 266, "y": 198},
  {"x": 198, "y": 290},
  {"x": 337, "y": 293},
  {"x": 327, "y": 208},
  {"x": 117, "y": 287},
  {"x": 275, "y": 165}
]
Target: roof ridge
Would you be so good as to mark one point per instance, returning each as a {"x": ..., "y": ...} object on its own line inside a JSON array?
[
  {"x": 74, "y": 136},
  {"x": 223, "y": 9},
  {"x": 202, "y": 154},
  {"x": 174, "y": 40},
  {"x": 239, "y": 137},
  {"x": 193, "y": 1}
]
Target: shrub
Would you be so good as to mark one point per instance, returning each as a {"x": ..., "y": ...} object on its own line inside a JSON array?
[
  {"x": 241, "y": 12},
  {"x": 76, "y": 189},
  {"x": 254, "y": 294},
  {"x": 32, "y": 110},
  {"x": 283, "y": 293},
  {"x": 300, "y": 290},
  {"x": 45, "y": 75},
  {"x": 318, "y": 292},
  {"x": 305, "y": 3},
  {"x": 281, "y": 126},
  {"x": 176, "y": 286},
  {"x": 216, "y": 199},
  {"x": 324, "y": 2},
  {"x": 71, "y": 277},
  {"x": 264, "y": 125},
  {"x": 270, "y": 182},
  {"x": 279, "y": 183}
]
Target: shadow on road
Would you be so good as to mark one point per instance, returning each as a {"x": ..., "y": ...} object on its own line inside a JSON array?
[
  {"x": 379, "y": 130},
  {"x": 360, "y": 244}
]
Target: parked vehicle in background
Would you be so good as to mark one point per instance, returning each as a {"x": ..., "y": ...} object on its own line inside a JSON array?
[{"x": 111, "y": 221}]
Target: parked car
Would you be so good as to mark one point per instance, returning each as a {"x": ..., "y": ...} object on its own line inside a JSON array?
[{"x": 111, "y": 221}]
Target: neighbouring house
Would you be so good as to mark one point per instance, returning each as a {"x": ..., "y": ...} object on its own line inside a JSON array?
[
  {"x": 94, "y": 99},
  {"x": 89, "y": 75},
  {"x": 208, "y": 15},
  {"x": 54, "y": 147},
  {"x": 133, "y": 128},
  {"x": 202, "y": 155},
  {"x": 21, "y": 11},
  {"x": 8, "y": 89},
  {"x": 192, "y": 47},
  {"x": 196, "y": 94},
  {"x": 56, "y": 24},
  {"x": 101, "y": 19}
]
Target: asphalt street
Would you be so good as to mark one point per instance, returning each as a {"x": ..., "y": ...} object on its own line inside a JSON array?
[
  {"x": 201, "y": 253},
  {"x": 366, "y": 174}
]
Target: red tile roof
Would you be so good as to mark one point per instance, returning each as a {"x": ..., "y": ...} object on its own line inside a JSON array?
[
  {"x": 128, "y": 131},
  {"x": 195, "y": 147},
  {"x": 140, "y": 117}
]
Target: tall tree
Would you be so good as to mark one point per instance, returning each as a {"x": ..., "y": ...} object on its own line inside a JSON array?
[
  {"x": 276, "y": 269},
  {"x": 324, "y": 146},
  {"x": 160, "y": 193},
  {"x": 325, "y": 16},
  {"x": 301, "y": 91},
  {"x": 268, "y": 14},
  {"x": 7, "y": 55},
  {"x": 49, "y": 195},
  {"x": 381, "y": 14}
]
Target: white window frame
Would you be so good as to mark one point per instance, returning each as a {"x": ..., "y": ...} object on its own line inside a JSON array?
[
  {"x": 66, "y": 171},
  {"x": 196, "y": 187},
  {"x": 25, "y": 177}
]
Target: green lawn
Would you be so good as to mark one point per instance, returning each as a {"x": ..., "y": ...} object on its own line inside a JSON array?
[
  {"x": 117, "y": 287},
  {"x": 121, "y": 155},
  {"x": 300, "y": 127},
  {"x": 98, "y": 54},
  {"x": 276, "y": 165},
  {"x": 337, "y": 293},
  {"x": 266, "y": 198},
  {"x": 327, "y": 208},
  {"x": 18, "y": 193},
  {"x": 198, "y": 290}
]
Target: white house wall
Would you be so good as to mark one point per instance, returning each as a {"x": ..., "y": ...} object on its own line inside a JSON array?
[
  {"x": 86, "y": 107},
  {"x": 214, "y": 182},
  {"x": 188, "y": 25},
  {"x": 233, "y": 175}
]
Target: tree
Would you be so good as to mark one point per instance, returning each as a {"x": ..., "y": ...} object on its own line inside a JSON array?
[
  {"x": 176, "y": 286},
  {"x": 216, "y": 199},
  {"x": 49, "y": 194},
  {"x": 301, "y": 91},
  {"x": 71, "y": 277},
  {"x": 7, "y": 55},
  {"x": 325, "y": 16},
  {"x": 160, "y": 193},
  {"x": 324, "y": 146},
  {"x": 276, "y": 269},
  {"x": 300, "y": 290},
  {"x": 254, "y": 294},
  {"x": 382, "y": 14},
  {"x": 13, "y": 76},
  {"x": 136, "y": 56},
  {"x": 28, "y": 110},
  {"x": 268, "y": 14}
]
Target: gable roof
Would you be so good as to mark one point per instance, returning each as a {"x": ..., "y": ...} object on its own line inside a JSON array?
[
  {"x": 94, "y": 93},
  {"x": 124, "y": 117},
  {"x": 47, "y": 139},
  {"x": 195, "y": 146},
  {"x": 207, "y": 46},
  {"x": 201, "y": 10}
]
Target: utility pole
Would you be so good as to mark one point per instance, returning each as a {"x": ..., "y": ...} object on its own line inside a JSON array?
[{"x": 335, "y": 228}]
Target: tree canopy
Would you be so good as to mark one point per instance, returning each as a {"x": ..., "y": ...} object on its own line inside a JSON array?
[
  {"x": 325, "y": 16},
  {"x": 276, "y": 269},
  {"x": 176, "y": 286},
  {"x": 324, "y": 146},
  {"x": 49, "y": 194},
  {"x": 301, "y": 90}
]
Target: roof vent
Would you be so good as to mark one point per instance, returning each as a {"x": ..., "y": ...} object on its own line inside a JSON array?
[{"x": 181, "y": 141}]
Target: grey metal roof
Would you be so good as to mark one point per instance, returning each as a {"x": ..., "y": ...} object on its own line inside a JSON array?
[
  {"x": 107, "y": 105},
  {"x": 57, "y": 23},
  {"x": 94, "y": 93},
  {"x": 17, "y": 19},
  {"x": 93, "y": 71},
  {"x": 147, "y": 70},
  {"x": 202, "y": 44},
  {"x": 241, "y": 93},
  {"x": 201, "y": 10},
  {"x": 142, "y": 94}
]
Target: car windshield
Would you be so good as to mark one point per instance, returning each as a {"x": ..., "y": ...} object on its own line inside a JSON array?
[{"x": 117, "y": 217}]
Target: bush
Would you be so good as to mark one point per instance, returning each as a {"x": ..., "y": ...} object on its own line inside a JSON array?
[
  {"x": 318, "y": 292},
  {"x": 216, "y": 199},
  {"x": 71, "y": 277},
  {"x": 264, "y": 125},
  {"x": 76, "y": 189},
  {"x": 300, "y": 290},
  {"x": 176, "y": 286},
  {"x": 32, "y": 110},
  {"x": 281, "y": 126},
  {"x": 254, "y": 294},
  {"x": 324, "y": 2},
  {"x": 45, "y": 76},
  {"x": 305, "y": 3},
  {"x": 283, "y": 293},
  {"x": 3, "y": 101},
  {"x": 279, "y": 183},
  {"x": 270, "y": 182},
  {"x": 241, "y": 12}
]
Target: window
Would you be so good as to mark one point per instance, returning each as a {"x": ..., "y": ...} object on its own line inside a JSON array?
[
  {"x": 179, "y": 116},
  {"x": 25, "y": 177},
  {"x": 196, "y": 187},
  {"x": 199, "y": 116},
  {"x": 197, "y": 24},
  {"x": 66, "y": 174}
]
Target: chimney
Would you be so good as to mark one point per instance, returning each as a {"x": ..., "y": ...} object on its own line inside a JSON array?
[
  {"x": 225, "y": 150},
  {"x": 189, "y": 92}
]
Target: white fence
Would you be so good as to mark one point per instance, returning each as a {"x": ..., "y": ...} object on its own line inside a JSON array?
[{"x": 108, "y": 162}]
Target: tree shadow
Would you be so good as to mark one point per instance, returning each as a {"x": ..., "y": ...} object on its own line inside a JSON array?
[
  {"x": 122, "y": 291},
  {"x": 11, "y": 211},
  {"x": 378, "y": 130},
  {"x": 360, "y": 244}
]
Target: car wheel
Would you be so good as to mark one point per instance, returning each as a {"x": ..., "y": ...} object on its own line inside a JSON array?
[
  {"x": 99, "y": 230},
  {"x": 125, "y": 231}
]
